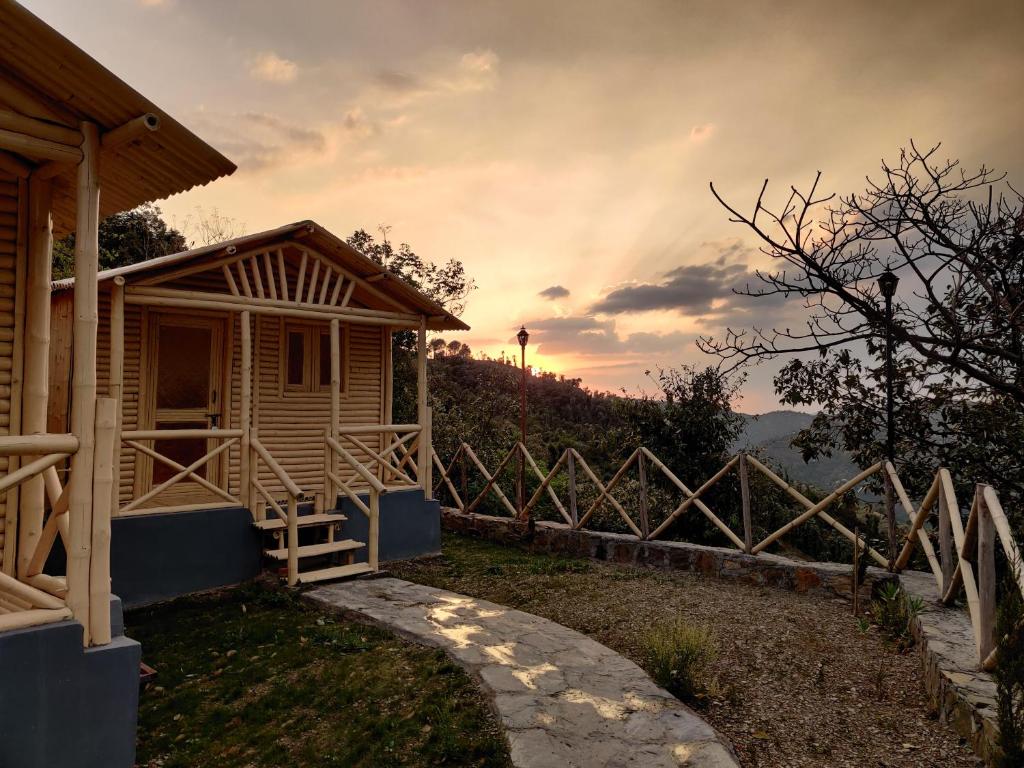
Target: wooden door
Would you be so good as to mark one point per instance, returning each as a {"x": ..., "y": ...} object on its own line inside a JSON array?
[{"x": 184, "y": 385}]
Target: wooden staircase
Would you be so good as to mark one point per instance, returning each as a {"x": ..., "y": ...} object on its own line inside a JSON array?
[{"x": 318, "y": 561}]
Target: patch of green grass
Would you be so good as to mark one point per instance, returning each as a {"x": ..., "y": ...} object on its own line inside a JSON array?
[
  {"x": 679, "y": 658},
  {"x": 255, "y": 677}
]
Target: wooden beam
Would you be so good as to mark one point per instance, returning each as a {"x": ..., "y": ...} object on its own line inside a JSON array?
[
  {"x": 39, "y": 129},
  {"x": 116, "y": 380},
  {"x": 83, "y": 386},
  {"x": 36, "y": 386},
  {"x": 130, "y": 131},
  {"x": 423, "y": 453},
  {"x": 103, "y": 491},
  {"x": 330, "y": 492},
  {"x": 245, "y": 413},
  {"x": 42, "y": 149},
  {"x": 14, "y": 165}
]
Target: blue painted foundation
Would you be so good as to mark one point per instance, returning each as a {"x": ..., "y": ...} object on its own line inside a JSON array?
[
  {"x": 410, "y": 526},
  {"x": 65, "y": 705}
]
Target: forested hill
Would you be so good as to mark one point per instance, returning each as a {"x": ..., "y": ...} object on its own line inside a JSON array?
[
  {"x": 771, "y": 434},
  {"x": 478, "y": 401}
]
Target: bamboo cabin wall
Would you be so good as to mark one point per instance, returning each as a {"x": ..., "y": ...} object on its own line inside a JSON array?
[
  {"x": 291, "y": 425},
  {"x": 12, "y": 259}
]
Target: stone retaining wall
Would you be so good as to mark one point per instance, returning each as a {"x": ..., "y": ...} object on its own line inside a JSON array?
[{"x": 963, "y": 696}]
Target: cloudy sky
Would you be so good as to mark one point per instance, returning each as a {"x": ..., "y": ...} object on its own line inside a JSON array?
[{"x": 563, "y": 150}]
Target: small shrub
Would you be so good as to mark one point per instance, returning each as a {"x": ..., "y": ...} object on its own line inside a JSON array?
[
  {"x": 1009, "y": 674},
  {"x": 679, "y": 656},
  {"x": 894, "y": 611}
]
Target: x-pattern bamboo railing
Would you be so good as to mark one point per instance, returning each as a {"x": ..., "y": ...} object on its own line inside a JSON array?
[{"x": 965, "y": 563}]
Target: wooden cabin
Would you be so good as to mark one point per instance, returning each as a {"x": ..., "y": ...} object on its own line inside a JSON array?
[
  {"x": 256, "y": 374},
  {"x": 76, "y": 144}
]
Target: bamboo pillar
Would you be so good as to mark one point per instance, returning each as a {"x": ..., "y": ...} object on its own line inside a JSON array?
[
  {"x": 423, "y": 454},
  {"x": 244, "y": 416},
  {"x": 117, "y": 381},
  {"x": 330, "y": 491},
  {"x": 83, "y": 380},
  {"x": 36, "y": 387},
  {"x": 748, "y": 529},
  {"x": 645, "y": 520},
  {"x": 293, "y": 540},
  {"x": 373, "y": 537},
  {"x": 574, "y": 512},
  {"x": 986, "y": 577},
  {"x": 946, "y": 542},
  {"x": 103, "y": 491},
  {"x": 428, "y": 439}
]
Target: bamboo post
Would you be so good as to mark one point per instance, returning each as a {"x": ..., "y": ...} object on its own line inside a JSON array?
[
  {"x": 645, "y": 520},
  {"x": 428, "y": 439},
  {"x": 574, "y": 511},
  {"x": 373, "y": 539},
  {"x": 293, "y": 540},
  {"x": 986, "y": 576},
  {"x": 330, "y": 491},
  {"x": 423, "y": 453},
  {"x": 36, "y": 384},
  {"x": 856, "y": 572},
  {"x": 83, "y": 382},
  {"x": 464, "y": 477},
  {"x": 244, "y": 421},
  {"x": 945, "y": 543},
  {"x": 117, "y": 379},
  {"x": 103, "y": 491},
  {"x": 748, "y": 529},
  {"x": 890, "y": 520}
]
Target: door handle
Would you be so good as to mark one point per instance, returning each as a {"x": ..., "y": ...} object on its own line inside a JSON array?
[{"x": 214, "y": 420}]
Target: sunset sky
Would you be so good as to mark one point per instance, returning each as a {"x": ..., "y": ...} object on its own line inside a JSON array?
[{"x": 562, "y": 149}]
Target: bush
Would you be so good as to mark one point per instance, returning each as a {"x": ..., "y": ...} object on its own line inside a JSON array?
[
  {"x": 893, "y": 612},
  {"x": 679, "y": 656}
]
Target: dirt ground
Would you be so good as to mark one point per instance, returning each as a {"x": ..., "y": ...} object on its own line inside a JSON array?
[{"x": 796, "y": 681}]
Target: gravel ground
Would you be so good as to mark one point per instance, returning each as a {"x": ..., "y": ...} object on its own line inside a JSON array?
[{"x": 797, "y": 682}]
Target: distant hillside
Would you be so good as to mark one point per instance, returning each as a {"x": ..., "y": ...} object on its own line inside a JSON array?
[{"x": 772, "y": 432}]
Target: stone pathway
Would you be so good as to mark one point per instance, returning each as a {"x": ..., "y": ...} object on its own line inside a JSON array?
[{"x": 565, "y": 700}]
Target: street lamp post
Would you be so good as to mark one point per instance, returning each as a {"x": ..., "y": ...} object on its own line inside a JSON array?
[
  {"x": 887, "y": 283},
  {"x": 523, "y": 337}
]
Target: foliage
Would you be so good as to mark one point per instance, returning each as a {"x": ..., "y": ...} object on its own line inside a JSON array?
[
  {"x": 894, "y": 612},
  {"x": 124, "y": 238},
  {"x": 1009, "y": 674},
  {"x": 254, "y": 677},
  {"x": 956, "y": 240},
  {"x": 679, "y": 656}
]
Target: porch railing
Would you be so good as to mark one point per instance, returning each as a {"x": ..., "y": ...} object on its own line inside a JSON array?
[
  {"x": 290, "y": 515},
  {"x": 965, "y": 564}
]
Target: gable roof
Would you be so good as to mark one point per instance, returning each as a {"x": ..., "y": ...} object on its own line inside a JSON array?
[
  {"x": 304, "y": 234},
  {"x": 46, "y": 77}
]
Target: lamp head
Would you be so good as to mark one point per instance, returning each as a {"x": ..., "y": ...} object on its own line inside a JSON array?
[
  {"x": 887, "y": 282},
  {"x": 523, "y": 337}
]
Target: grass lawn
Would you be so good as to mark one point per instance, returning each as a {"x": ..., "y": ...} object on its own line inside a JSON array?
[
  {"x": 255, "y": 677},
  {"x": 795, "y": 681}
]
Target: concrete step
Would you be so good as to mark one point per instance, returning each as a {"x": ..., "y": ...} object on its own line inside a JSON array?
[
  {"x": 277, "y": 524},
  {"x": 313, "y": 550},
  {"x": 337, "y": 572}
]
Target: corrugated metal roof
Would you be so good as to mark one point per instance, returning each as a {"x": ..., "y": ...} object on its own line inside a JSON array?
[
  {"x": 75, "y": 87},
  {"x": 304, "y": 234}
]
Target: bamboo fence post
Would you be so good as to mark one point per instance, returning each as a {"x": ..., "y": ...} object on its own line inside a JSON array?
[
  {"x": 464, "y": 478},
  {"x": 986, "y": 562},
  {"x": 856, "y": 572},
  {"x": 373, "y": 542},
  {"x": 117, "y": 379},
  {"x": 244, "y": 417},
  {"x": 103, "y": 490},
  {"x": 293, "y": 540},
  {"x": 428, "y": 477},
  {"x": 574, "y": 511},
  {"x": 748, "y": 529},
  {"x": 329, "y": 491},
  {"x": 890, "y": 520},
  {"x": 645, "y": 520},
  {"x": 83, "y": 383},
  {"x": 36, "y": 384},
  {"x": 423, "y": 452},
  {"x": 945, "y": 542}
]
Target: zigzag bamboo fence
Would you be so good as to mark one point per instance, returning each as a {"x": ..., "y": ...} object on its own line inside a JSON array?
[{"x": 965, "y": 563}]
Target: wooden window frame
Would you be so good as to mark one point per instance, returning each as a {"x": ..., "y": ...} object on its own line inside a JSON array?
[{"x": 312, "y": 363}]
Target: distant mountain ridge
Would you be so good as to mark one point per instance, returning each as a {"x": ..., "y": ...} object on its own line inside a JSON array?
[{"x": 771, "y": 434}]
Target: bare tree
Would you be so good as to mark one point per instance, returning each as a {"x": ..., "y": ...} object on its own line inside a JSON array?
[
  {"x": 209, "y": 226},
  {"x": 955, "y": 237}
]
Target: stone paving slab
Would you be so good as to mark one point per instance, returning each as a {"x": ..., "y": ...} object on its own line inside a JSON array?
[{"x": 565, "y": 700}]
